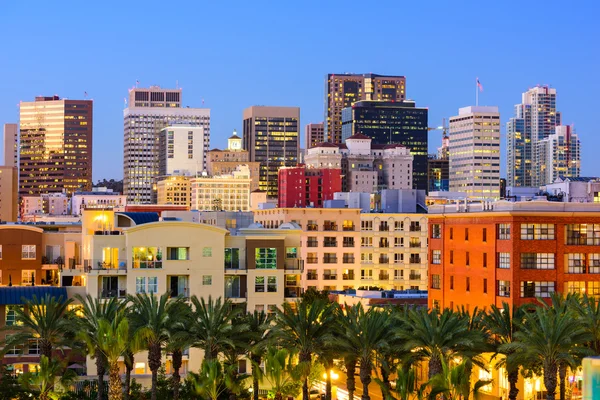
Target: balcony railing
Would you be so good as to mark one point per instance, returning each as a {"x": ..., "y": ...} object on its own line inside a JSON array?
[
  {"x": 312, "y": 260},
  {"x": 330, "y": 244},
  {"x": 418, "y": 244},
  {"x": 414, "y": 276},
  {"x": 348, "y": 228},
  {"x": 312, "y": 227},
  {"x": 89, "y": 265},
  {"x": 384, "y": 260},
  {"x": 415, "y": 228},
  {"x": 348, "y": 277},
  {"x": 311, "y": 276},
  {"x": 384, "y": 277},
  {"x": 415, "y": 260},
  {"x": 348, "y": 260},
  {"x": 113, "y": 293},
  {"x": 330, "y": 277},
  {"x": 330, "y": 227},
  {"x": 312, "y": 243},
  {"x": 329, "y": 260},
  {"x": 147, "y": 264},
  {"x": 366, "y": 278}
]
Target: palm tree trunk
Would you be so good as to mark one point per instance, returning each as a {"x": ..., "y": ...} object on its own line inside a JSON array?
[
  {"x": 154, "y": 358},
  {"x": 385, "y": 379},
  {"x": 550, "y": 372},
  {"x": 350, "y": 365},
  {"x": 46, "y": 348},
  {"x": 468, "y": 371},
  {"x": 255, "y": 366},
  {"x": 513, "y": 378},
  {"x": 562, "y": 373},
  {"x": 177, "y": 358},
  {"x": 305, "y": 358},
  {"x": 435, "y": 366},
  {"x": 328, "y": 367},
  {"x": 115, "y": 386},
  {"x": 101, "y": 370},
  {"x": 129, "y": 360},
  {"x": 365, "y": 379}
]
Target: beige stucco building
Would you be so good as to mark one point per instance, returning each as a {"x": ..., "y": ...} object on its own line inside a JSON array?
[
  {"x": 9, "y": 189},
  {"x": 175, "y": 190}
]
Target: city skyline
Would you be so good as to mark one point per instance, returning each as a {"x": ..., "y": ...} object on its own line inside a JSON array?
[{"x": 432, "y": 81}]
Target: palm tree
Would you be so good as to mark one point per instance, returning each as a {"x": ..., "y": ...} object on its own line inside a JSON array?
[
  {"x": 305, "y": 328},
  {"x": 211, "y": 327},
  {"x": 211, "y": 381},
  {"x": 437, "y": 336},
  {"x": 258, "y": 324},
  {"x": 48, "y": 319},
  {"x": 92, "y": 311},
  {"x": 180, "y": 340},
  {"x": 455, "y": 382},
  {"x": 111, "y": 339},
  {"x": 548, "y": 338},
  {"x": 151, "y": 319},
  {"x": 280, "y": 373},
  {"x": 588, "y": 310},
  {"x": 51, "y": 372},
  {"x": 503, "y": 323},
  {"x": 348, "y": 332}
]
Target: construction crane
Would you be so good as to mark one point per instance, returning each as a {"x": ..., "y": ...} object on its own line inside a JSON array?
[{"x": 442, "y": 151}]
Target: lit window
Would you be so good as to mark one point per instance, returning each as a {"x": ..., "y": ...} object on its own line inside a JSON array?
[
  {"x": 27, "y": 276},
  {"x": 28, "y": 252}
]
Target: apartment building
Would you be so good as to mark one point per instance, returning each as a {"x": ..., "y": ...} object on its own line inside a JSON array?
[
  {"x": 343, "y": 248},
  {"x": 512, "y": 252}
]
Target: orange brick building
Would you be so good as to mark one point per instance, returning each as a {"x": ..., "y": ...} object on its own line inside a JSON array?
[{"x": 483, "y": 254}]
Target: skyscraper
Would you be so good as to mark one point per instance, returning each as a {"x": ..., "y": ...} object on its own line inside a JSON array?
[
  {"x": 314, "y": 134},
  {"x": 150, "y": 110},
  {"x": 474, "y": 152},
  {"x": 55, "y": 146},
  {"x": 559, "y": 155},
  {"x": 343, "y": 90},
  {"x": 387, "y": 122},
  {"x": 535, "y": 119},
  {"x": 181, "y": 150},
  {"x": 271, "y": 137},
  {"x": 11, "y": 145}
]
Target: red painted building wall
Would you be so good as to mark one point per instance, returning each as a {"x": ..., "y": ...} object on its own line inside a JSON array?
[{"x": 304, "y": 187}]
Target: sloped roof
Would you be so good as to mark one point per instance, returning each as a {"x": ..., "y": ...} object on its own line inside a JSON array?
[
  {"x": 141, "y": 217},
  {"x": 358, "y": 136}
]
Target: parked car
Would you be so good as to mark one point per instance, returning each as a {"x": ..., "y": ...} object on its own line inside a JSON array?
[{"x": 315, "y": 394}]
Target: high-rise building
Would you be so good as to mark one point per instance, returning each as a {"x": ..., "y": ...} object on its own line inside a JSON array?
[
  {"x": 181, "y": 150},
  {"x": 222, "y": 193},
  {"x": 535, "y": 119},
  {"x": 343, "y": 90},
  {"x": 271, "y": 137},
  {"x": 438, "y": 168},
  {"x": 559, "y": 155},
  {"x": 387, "y": 122},
  {"x": 175, "y": 190},
  {"x": 151, "y": 110},
  {"x": 11, "y": 145},
  {"x": 474, "y": 152},
  {"x": 55, "y": 146},
  {"x": 302, "y": 186},
  {"x": 224, "y": 162},
  {"x": 9, "y": 201},
  {"x": 315, "y": 134}
]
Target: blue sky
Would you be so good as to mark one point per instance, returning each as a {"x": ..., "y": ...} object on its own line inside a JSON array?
[{"x": 236, "y": 54}]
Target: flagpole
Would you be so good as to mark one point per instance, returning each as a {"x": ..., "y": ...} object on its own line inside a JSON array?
[{"x": 476, "y": 93}]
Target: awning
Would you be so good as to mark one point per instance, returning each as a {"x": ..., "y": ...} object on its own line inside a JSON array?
[{"x": 16, "y": 294}]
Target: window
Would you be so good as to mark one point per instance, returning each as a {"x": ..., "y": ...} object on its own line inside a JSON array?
[
  {"x": 451, "y": 233},
  {"x": 398, "y": 242},
  {"x": 330, "y": 258},
  {"x": 312, "y": 225},
  {"x": 468, "y": 284},
  {"x": 504, "y": 231},
  {"x": 152, "y": 284},
  {"x": 348, "y": 225},
  {"x": 348, "y": 242},
  {"x": 266, "y": 258},
  {"x": 311, "y": 274},
  {"x": 329, "y": 226},
  {"x": 206, "y": 280},
  {"x": 271, "y": 284},
  {"x": 467, "y": 259},
  {"x": 178, "y": 253},
  {"x": 452, "y": 282},
  {"x": 451, "y": 256},
  {"x": 259, "y": 284},
  {"x": 436, "y": 257},
  {"x": 28, "y": 252},
  {"x": 366, "y": 257},
  {"x": 329, "y": 274},
  {"x": 536, "y": 289},
  {"x": 484, "y": 260},
  {"x": 147, "y": 257},
  {"x": 594, "y": 263},
  {"x": 232, "y": 258},
  {"x": 348, "y": 258},
  {"x": 0, "y": 252},
  {"x": 311, "y": 258},
  {"x": 291, "y": 252},
  {"x": 230, "y": 223},
  {"x": 575, "y": 263},
  {"x": 312, "y": 241},
  {"x": 398, "y": 258},
  {"x": 140, "y": 284},
  {"x": 575, "y": 287},
  {"x": 537, "y": 231},
  {"x": 33, "y": 347},
  {"x": 593, "y": 289},
  {"x": 583, "y": 234},
  {"x": 11, "y": 315},
  {"x": 348, "y": 275},
  {"x": 27, "y": 276},
  {"x": 207, "y": 252},
  {"x": 537, "y": 261},
  {"x": 466, "y": 233},
  {"x": 13, "y": 351},
  {"x": 366, "y": 225},
  {"x": 366, "y": 274},
  {"x": 398, "y": 226},
  {"x": 484, "y": 285},
  {"x": 435, "y": 281},
  {"x": 504, "y": 260},
  {"x": 366, "y": 242},
  {"x": 436, "y": 231},
  {"x": 504, "y": 288},
  {"x": 329, "y": 241},
  {"x": 140, "y": 368}
]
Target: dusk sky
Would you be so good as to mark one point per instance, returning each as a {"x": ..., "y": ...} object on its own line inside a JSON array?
[{"x": 237, "y": 54}]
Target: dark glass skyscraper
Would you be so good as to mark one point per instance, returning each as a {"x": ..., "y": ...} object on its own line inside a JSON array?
[{"x": 392, "y": 122}]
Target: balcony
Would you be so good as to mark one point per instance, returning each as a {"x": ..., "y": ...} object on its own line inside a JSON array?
[
  {"x": 348, "y": 260},
  {"x": 105, "y": 233},
  {"x": 156, "y": 264},
  {"x": 329, "y": 260},
  {"x": 415, "y": 228},
  {"x": 415, "y": 244},
  {"x": 330, "y": 227},
  {"x": 311, "y": 276},
  {"x": 384, "y": 260},
  {"x": 332, "y": 277},
  {"x": 348, "y": 228},
  {"x": 348, "y": 243},
  {"x": 312, "y": 227},
  {"x": 398, "y": 277},
  {"x": 312, "y": 243},
  {"x": 384, "y": 276},
  {"x": 416, "y": 277},
  {"x": 348, "y": 277},
  {"x": 106, "y": 266},
  {"x": 330, "y": 243},
  {"x": 312, "y": 260},
  {"x": 292, "y": 292},
  {"x": 366, "y": 278},
  {"x": 52, "y": 263},
  {"x": 294, "y": 264},
  {"x": 384, "y": 228},
  {"x": 415, "y": 260},
  {"x": 113, "y": 293},
  {"x": 74, "y": 265}
]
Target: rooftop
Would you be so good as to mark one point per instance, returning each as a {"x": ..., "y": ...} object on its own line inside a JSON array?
[{"x": 533, "y": 206}]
